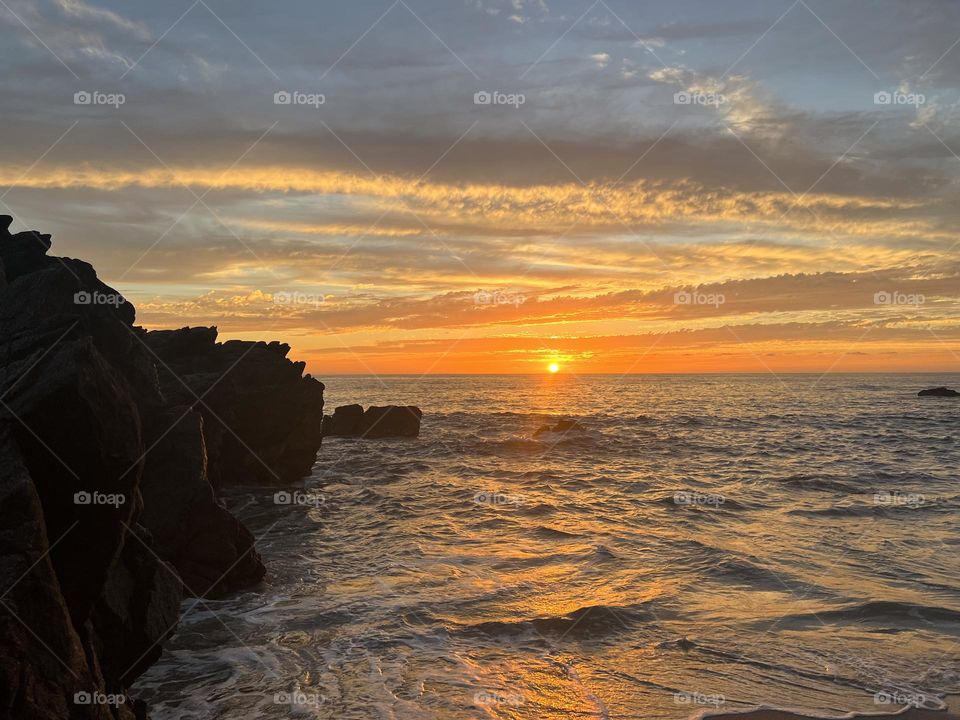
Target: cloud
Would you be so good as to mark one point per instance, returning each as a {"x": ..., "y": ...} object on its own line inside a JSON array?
[
  {"x": 79, "y": 10},
  {"x": 608, "y": 207},
  {"x": 602, "y": 59},
  {"x": 598, "y": 200},
  {"x": 798, "y": 297}
]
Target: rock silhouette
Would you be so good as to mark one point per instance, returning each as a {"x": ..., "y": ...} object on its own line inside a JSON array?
[
  {"x": 938, "y": 392},
  {"x": 112, "y": 440},
  {"x": 375, "y": 423}
]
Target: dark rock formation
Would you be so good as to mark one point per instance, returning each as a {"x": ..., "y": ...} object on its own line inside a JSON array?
[
  {"x": 107, "y": 512},
  {"x": 345, "y": 421},
  {"x": 376, "y": 423},
  {"x": 212, "y": 551},
  {"x": 562, "y": 426},
  {"x": 938, "y": 392},
  {"x": 80, "y": 576},
  {"x": 261, "y": 417}
]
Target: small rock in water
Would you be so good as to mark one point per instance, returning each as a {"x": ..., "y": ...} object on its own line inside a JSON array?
[
  {"x": 344, "y": 422},
  {"x": 938, "y": 392},
  {"x": 374, "y": 423},
  {"x": 563, "y": 425}
]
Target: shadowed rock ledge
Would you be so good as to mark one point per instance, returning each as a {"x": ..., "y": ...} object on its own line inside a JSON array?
[{"x": 112, "y": 442}]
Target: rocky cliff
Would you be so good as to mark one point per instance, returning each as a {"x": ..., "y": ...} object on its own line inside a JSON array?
[{"x": 112, "y": 442}]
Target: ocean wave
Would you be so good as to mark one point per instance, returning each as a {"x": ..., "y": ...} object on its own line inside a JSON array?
[
  {"x": 911, "y": 614},
  {"x": 582, "y": 623}
]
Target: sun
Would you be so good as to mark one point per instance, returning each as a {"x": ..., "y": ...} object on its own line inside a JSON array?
[{"x": 553, "y": 367}]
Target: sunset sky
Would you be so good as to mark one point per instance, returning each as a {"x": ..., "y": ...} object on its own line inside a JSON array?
[{"x": 655, "y": 187}]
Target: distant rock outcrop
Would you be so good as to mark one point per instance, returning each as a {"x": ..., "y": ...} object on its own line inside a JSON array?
[
  {"x": 107, "y": 511},
  {"x": 376, "y": 423},
  {"x": 938, "y": 392}
]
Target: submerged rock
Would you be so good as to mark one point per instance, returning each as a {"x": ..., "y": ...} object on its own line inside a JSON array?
[
  {"x": 374, "y": 423},
  {"x": 939, "y": 392},
  {"x": 563, "y": 425}
]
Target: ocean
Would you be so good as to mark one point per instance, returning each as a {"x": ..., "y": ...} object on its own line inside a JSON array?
[{"x": 707, "y": 544}]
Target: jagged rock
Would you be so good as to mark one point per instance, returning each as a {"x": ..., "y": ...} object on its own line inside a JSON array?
[
  {"x": 262, "y": 416},
  {"x": 375, "y": 423},
  {"x": 212, "y": 551},
  {"x": 43, "y": 662},
  {"x": 139, "y": 608},
  {"x": 73, "y": 381},
  {"x": 938, "y": 392},
  {"x": 103, "y": 479}
]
